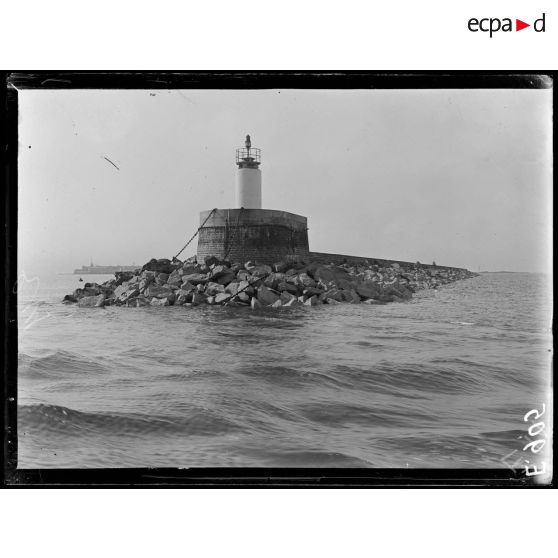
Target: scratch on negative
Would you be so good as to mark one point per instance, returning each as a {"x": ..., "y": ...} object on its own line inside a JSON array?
[{"x": 106, "y": 158}]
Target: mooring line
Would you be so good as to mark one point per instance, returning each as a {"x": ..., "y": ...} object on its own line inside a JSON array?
[{"x": 196, "y": 233}]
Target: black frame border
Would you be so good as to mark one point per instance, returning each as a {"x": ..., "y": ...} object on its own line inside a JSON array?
[{"x": 216, "y": 477}]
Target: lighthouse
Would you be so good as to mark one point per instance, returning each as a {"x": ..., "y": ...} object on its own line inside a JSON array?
[
  {"x": 248, "y": 232},
  {"x": 248, "y": 176}
]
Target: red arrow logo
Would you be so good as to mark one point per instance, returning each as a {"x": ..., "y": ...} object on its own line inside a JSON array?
[{"x": 519, "y": 25}]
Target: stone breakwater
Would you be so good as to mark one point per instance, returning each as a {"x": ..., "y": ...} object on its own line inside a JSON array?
[{"x": 190, "y": 283}]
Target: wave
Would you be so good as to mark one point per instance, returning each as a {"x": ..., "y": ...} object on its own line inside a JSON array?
[
  {"x": 416, "y": 378},
  {"x": 288, "y": 377},
  {"x": 346, "y": 414},
  {"x": 306, "y": 458},
  {"x": 44, "y": 417},
  {"x": 60, "y": 364}
]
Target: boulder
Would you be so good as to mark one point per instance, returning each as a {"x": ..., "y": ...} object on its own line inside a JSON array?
[
  {"x": 310, "y": 269},
  {"x": 182, "y": 292},
  {"x": 187, "y": 286},
  {"x": 270, "y": 281},
  {"x": 311, "y": 291},
  {"x": 312, "y": 301},
  {"x": 197, "y": 299},
  {"x": 142, "y": 285},
  {"x": 243, "y": 297},
  {"x": 273, "y": 279},
  {"x": 175, "y": 278},
  {"x": 188, "y": 269},
  {"x": 160, "y": 302},
  {"x": 367, "y": 289},
  {"x": 195, "y": 278},
  {"x": 243, "y": 276},
  {"x": 141, "y": 302},
  {"x": 260, "y": 270},
  {"x": 214, "y": 288},
  {"x": 161, "y": 278},
  {"x": 397, "y": 290},
  {"x": 331, "y": 301},
  {"x": 286, "y": 297},
  {"x": 255, "y": 303},
  {"x": 332, "y": 274},
  {"x": 92, "y": 289},
  {"x": 69, "y": 298},
  {"x": 162, "y": 266},
  {"x": 266, "y": 296},
  {"x": 280, "y": 267},
  {"x": 122, "y": 276},
  {"x": 148, "y": 276},
  {"x": 277, "y": 304},
  {"x": 210, "y": 260},
  {"x": 322, "y": 297},
  {"x": 218, "y": 271},
  {"x": 289, "y": 287},
  {"x": 222, "y": 297},
  {"x": 304, "y": 280},
  {"x": 232, "y": 288},
  {"x": 227, "y": 278},
  {"x": 322, "y": 285},
  {"x": 92, "y": 301},
  {"x": 131, "y": 292},
  {"x": 351, "y": 296},
  {"x": 181, "y": 299},
  {"x": 121, "y": 289},
  {"x": 245, "y": 286},
  {"x": 293, "y": 302},
  {"x": 210, "y": 300},
  {"x": 335, "y": 294},
  {"x": 158, "y": 291}
]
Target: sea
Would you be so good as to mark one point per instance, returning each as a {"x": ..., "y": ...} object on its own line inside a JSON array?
[{"x": 441, "y": 381}]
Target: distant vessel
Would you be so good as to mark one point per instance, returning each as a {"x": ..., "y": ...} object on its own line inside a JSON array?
[{"x": 94, "y": 269}]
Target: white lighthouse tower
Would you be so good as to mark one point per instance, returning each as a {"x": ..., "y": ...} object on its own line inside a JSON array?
[{"x": 248, "y": 177}]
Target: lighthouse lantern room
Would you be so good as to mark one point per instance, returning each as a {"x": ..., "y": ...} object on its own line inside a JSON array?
[{"x": 248, "y": 177}]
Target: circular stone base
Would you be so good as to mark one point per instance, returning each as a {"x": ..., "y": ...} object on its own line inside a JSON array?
[{"x": 261, "y": 235}]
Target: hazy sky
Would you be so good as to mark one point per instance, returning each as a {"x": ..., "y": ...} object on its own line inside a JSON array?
[{"x": 462, "y": 177}]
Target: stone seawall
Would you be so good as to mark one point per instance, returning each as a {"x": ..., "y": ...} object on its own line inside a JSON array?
[{"x": 212, "y": 281}]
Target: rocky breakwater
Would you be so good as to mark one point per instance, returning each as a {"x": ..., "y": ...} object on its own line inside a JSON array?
[{"x": 214, "y": 282}]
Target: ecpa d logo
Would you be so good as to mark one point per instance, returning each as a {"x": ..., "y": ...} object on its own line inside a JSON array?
[{"x": 492, "y": 25}]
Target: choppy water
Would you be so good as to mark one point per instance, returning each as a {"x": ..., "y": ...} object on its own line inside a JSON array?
[{"x": 441, "y": 381}]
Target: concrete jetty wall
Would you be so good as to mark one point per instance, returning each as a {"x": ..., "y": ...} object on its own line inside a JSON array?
[{"x": 339, "y": 259}]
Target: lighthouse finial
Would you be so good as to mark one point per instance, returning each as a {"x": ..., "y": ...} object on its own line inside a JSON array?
[{"x": 248, "y": 143}]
